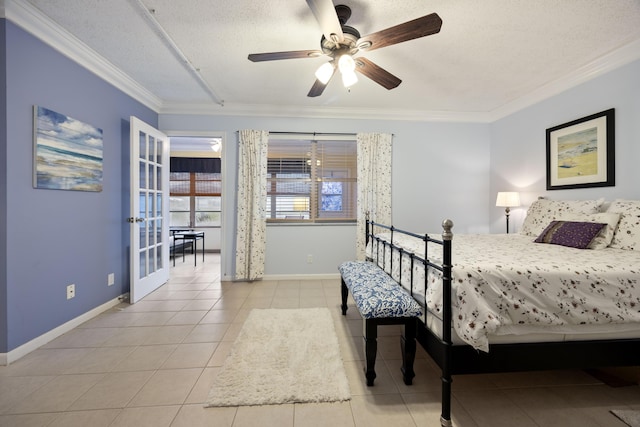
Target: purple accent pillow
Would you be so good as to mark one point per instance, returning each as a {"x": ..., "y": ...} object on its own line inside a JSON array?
[{"x": 570, "y": 233}]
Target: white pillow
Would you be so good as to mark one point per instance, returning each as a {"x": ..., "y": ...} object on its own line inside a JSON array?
[
  {"x": 603, "y": 239},
  {"x": 543, "y": 211},
  {"x": 627, "y": 235}
]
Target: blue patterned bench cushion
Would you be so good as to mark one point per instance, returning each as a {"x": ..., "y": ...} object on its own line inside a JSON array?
[{"x": 375, "y": 293}]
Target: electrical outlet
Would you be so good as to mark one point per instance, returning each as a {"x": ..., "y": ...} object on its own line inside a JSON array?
[
  {"x": 309, "y": 259},
  {"x": 71, "y": 291},
  {"x": 111, "y": 279}
]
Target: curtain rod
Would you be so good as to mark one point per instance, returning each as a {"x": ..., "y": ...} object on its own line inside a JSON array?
[{"x": 312, "y": 133}]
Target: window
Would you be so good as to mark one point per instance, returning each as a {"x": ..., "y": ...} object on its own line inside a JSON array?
[
  {"x": 195, "y": 196},
  {"x": 311, "y": 180}
]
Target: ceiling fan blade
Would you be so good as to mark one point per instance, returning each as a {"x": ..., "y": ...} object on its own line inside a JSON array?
[
  {"x": 293, "y": 54},
  {"x": 377, "y": 74},
  {"x": 420, "y": 27},
  {"x": 325, "y": 13},
  {"x": 318, "y": 87}
]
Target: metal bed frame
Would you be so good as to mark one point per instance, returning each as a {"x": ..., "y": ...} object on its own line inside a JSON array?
[{"x": 464, "y": 359}]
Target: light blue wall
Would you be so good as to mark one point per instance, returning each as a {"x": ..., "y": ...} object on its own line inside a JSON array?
[
  {"x": 440, "y": 170},
  {"x": 55, "y": 238},
  {"x": 3, "y": 187},
  {"x": 518, "y": 142}
]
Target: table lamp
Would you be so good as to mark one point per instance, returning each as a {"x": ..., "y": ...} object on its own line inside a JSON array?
[{"x": 507, "y": 200}]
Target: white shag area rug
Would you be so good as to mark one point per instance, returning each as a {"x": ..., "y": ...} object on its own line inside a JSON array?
[
  {"x": 630, "y": 417},
  {"x": 282, "y": 356}
]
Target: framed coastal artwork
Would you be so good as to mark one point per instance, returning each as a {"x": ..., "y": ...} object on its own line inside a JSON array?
[
  {"x": 581, "y": 153},
  {"x": 67, "y": 152}
]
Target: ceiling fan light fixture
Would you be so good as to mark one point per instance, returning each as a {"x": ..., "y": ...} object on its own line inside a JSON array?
[
  {"x": 324, "y": 72},
  {"x": 349, "y": 78},
  {"x": 341, "y": 42}
]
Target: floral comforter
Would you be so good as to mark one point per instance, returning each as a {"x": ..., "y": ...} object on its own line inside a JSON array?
[{"x": 506, "y": 279}]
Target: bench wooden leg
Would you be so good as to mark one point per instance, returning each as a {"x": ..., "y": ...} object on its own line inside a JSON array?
[
  {"x": 345, "y": 294},
  {"x": 408, "y": 346},
  {"x": 370, "y": 349}
]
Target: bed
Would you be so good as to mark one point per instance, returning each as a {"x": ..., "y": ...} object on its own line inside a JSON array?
[{"x": 563, "y": 293}]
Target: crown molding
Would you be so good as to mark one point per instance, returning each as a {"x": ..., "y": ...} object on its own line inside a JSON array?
[
  {"x": 30, "y": 19},
  {"x": 615, "y": 59},
  {"x": 263, "y": 110}
]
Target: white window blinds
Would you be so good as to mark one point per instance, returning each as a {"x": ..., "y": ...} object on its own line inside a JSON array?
[{"x": 311, "y": 180}]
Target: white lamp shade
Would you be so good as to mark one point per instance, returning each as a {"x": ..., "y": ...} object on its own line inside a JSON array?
[
  {"x": 346, "y": 63},
  {"x": 324, "y": 72},
  {"x": 349, "y": 78},
  {"x": 508, "y": 199}
]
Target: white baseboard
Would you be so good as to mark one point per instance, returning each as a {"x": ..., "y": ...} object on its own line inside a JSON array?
[
  {"x": 329, "y": 276},
  {"x": 28, "y": 347}
]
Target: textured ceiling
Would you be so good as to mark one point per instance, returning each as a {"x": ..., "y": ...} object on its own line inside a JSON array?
[{"x": 488, "y": 54}]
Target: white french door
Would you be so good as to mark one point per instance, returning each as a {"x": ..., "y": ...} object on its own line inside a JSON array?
[{"x": 149, "y": 215}]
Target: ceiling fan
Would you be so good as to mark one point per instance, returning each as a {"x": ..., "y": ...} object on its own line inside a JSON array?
[{"x": 341, "y": 42}]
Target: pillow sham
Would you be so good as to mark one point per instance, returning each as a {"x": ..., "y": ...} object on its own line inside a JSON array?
[
  {"x": 604, "y": 238},
  {"x": 543, "y": 211},
  {"x": 627, "y": 235},
  {"x": 570, "y": 233}
]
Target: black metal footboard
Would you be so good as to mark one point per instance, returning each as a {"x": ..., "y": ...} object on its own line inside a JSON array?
[{"x": 439, "y": 346}]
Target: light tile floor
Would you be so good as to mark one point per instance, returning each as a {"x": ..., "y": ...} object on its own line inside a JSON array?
[{"x": 153, "y": 363}]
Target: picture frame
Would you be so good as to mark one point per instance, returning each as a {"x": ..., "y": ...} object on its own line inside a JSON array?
[
  {"x": 67, "y": 153},
  {"x": 581, "y": 153}
]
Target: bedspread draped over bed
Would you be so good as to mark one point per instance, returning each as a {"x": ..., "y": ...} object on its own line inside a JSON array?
[{"x": 505, "y": 279}]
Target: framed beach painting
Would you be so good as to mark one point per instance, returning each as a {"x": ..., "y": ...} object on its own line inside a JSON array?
[
  {"x": 581, "y": 153},
  {"x": 67, "y": 152}
]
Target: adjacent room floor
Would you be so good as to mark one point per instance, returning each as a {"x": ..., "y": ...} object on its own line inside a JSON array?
[{"x": 152, "y": 364}]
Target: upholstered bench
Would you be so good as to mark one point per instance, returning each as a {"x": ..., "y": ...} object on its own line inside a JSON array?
[{"x": 380, "y": 301}]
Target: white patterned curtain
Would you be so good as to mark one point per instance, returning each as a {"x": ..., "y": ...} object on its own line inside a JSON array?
[
  {"x": 374, "y": 183},
  {"x": 252, "y": 196}
]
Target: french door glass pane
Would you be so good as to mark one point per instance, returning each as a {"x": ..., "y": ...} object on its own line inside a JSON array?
[
  {"x": 159, "y": 178},
  {"x": 152, "y": 149},
  {"x": 143, "y": 235},
  {"x": 152, "y": 258},
  {"x": 143, "y": 145},
  {"x": 143, "y": 174},
  {"x": 159, "y": 151},
  {"x": 143, "y": 263},
  {"x": 159, "y": 257},
  {"x": 151, "y": 169},
  {"x": 159, "y": 231},
  {"x": 152, "y": 233},
  {"x": 143, "y": 205}
]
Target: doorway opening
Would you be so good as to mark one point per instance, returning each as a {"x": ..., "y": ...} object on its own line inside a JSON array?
[{"x": 196, "y": 195}]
